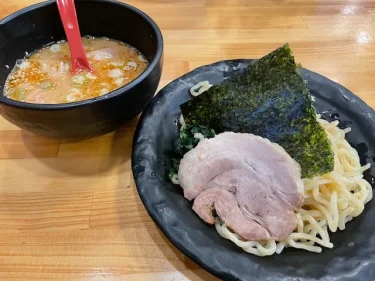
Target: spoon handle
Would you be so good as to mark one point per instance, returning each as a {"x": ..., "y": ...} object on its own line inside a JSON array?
[{"x": 68, "y": 16}]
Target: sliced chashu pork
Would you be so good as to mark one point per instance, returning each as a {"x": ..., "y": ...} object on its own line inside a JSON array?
[{"x": 253, "y": 185}]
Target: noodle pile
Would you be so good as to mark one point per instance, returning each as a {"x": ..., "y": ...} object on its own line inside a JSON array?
[{"x": 331, "y": 200}]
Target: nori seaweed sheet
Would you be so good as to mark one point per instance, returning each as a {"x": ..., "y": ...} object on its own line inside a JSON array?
[{"x": 270, "y": 99}]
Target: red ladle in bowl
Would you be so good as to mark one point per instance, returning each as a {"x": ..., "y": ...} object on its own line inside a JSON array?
[{"x": 68, "y": 16}]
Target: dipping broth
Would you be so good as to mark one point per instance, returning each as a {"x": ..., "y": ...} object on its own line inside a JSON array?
[{"x": 45, "y": 76}]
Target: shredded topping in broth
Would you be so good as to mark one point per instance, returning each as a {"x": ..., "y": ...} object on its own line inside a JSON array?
[{"x": 45, "y": 76}]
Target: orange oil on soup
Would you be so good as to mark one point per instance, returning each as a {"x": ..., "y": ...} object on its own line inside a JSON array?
[{"x": 45, "y": 76}]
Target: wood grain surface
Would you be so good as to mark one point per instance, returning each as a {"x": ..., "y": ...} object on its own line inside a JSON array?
[{"x": 69, "y": 209}]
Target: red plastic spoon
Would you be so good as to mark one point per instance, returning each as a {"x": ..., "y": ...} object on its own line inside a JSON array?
[{"x": 69, "y": 19}]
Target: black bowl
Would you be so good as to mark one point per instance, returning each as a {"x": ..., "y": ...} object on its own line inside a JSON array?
[{"x": 33, "y": 27}]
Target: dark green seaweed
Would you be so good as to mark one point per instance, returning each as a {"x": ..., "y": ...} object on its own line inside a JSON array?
[
  {"x": 175, "y": 166},
  {"x": 187, "y": 140},
  {"x": 269, "y": 98}
]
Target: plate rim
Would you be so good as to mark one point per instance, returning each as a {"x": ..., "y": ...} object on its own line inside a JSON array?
[{"x": 154, "y": 215}]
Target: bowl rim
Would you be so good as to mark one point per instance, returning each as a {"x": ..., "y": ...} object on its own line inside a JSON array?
[{"x": 117, "y": 92}]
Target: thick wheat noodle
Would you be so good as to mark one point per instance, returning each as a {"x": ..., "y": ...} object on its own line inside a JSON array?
[
  {"x": 253, "y": 247},
  {"x": 199, "y": 88},
  {"x": 331, "y": 201}
]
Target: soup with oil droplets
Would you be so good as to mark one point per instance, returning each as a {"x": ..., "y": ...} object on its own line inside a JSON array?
[{"x": 45, "y": 76}]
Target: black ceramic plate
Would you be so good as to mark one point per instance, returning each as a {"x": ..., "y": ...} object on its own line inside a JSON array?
[{"x": 353, "y": 255}]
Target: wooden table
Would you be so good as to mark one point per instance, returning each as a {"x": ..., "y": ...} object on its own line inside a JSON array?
[{"x": 69, "y": 210}]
